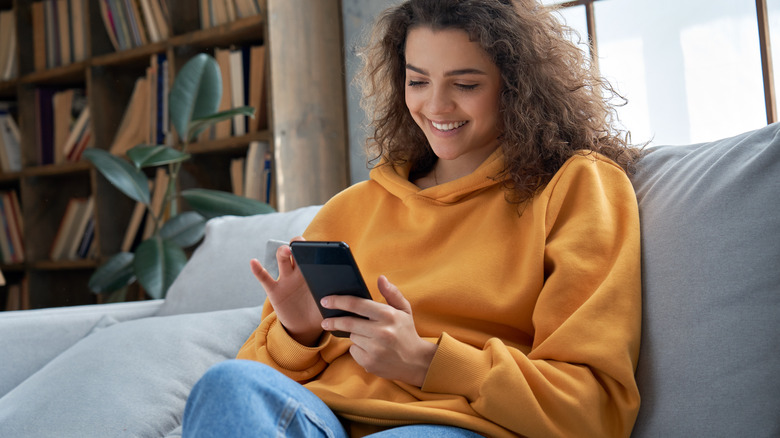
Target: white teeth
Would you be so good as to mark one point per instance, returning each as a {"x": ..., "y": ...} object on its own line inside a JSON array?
[{"x": 447, "y": 126}]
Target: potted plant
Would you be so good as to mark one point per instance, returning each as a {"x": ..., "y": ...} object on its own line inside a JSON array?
[{"x": 157, "y": 261}]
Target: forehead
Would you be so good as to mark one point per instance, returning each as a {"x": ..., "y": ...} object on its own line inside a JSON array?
[{"x": 443, "y": 49}]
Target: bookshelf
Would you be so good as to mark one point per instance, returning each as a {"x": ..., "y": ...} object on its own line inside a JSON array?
[{"x": 305, "y": 126}]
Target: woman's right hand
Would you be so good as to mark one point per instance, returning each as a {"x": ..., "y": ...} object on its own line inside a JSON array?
[{"x": 290, "y": 297}]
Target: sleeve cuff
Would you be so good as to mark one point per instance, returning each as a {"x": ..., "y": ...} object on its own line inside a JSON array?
[
  {"x": 288, "y": 353},
  {"x": 457, "y": 368}
]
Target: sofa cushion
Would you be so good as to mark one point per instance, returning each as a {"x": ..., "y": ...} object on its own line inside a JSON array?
[
  {"x": 29, "y": 339},
  {"x": 711, "y": 283},
  {"x": 128, "y": 379},
  {"x": 217, "y": 276}
]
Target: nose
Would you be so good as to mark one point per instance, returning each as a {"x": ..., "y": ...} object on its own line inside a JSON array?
[{"x": 439, "y": 101}]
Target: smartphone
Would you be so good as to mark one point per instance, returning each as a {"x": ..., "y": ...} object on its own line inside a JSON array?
[{"x": 329, "y": 269}]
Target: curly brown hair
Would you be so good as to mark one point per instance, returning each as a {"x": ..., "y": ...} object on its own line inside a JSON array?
[{"x": 553, "y": 102}]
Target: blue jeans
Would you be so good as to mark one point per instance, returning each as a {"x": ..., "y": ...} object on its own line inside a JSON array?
[{"x": 240, "y": 398}]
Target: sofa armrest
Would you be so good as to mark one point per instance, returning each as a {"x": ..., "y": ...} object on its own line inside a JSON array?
[{"x": 29, "y": 339}]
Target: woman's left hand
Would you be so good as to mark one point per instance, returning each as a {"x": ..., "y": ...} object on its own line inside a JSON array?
[{"x": 386, "y": 344}]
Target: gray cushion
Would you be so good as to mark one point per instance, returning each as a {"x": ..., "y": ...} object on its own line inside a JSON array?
[
  {"x": 217, "y": 276},
  {"x": 711, "y": 282},
  {"x": 128, "y": 379},
  {"x": 29, "y": 339}
]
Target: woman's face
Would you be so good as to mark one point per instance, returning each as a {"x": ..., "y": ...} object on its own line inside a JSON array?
[{"x": 452, "y": 92}]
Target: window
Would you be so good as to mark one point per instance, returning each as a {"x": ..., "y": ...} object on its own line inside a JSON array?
[{"x": 692, "y": 75}]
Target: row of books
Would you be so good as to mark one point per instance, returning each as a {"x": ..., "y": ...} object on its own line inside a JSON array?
[
  {"x": 146, "y": 119},
  {"x": 10, "y": 143},
  {"x": 217, "y": 12},
  {"x": 59, "y": 32},
  {"x": 11, "y": 228},
  {"x": 243, "y": 83},
  {"x": 9, "y": 65},
  {"x": 76, "y": 231},
  {"x": 251, "y": 176},
  {"x": 62, "y": 124},
  {"x": 134, "y": 23}
]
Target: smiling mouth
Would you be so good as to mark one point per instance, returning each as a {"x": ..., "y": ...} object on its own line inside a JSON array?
[{"x": 448, "y": 126}]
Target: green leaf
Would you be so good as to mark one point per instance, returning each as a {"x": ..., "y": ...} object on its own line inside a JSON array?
[
  {"x": 121, "y": 174},
  {"x": 185, "y": 229},
  {"x": 213, "y": 203},
  {"x": 195, "y": 93},
  {"x": 157, "y": 263},
  {"x": 155, "y": 155},
  {"x": 113, "y": 275},
  {"x": 198, "y": 125}
]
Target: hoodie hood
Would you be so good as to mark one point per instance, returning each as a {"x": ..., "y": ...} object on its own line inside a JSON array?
[{"x": 395, "y": 179}]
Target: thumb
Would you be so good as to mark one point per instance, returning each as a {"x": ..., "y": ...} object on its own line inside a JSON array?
[{"x": 393, "y": 295}]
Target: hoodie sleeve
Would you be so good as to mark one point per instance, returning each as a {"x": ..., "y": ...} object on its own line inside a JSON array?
[{"x": 578, "y": 377}]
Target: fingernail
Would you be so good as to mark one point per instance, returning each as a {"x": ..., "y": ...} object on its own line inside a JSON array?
[{"x": 325, "y": 302}]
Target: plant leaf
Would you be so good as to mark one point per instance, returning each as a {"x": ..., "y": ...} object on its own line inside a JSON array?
[
  {"x": 195, "y": 93},
  {"x": 157, "y": 263},
  {"x": 121, "y": 174},
  {"x": 184, "y": 229},
  {"x": 155, "y": 155},
  {"x": 114, "y": 274},
  {"x": 198, "y": 125},
  {"x": 213, "y": 203}
]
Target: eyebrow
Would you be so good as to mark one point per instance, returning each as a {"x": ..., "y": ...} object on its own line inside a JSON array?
[{"x": 463, "y": 71}]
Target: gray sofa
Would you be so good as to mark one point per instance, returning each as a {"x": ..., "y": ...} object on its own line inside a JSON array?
[{"x": 710, "y": 354}]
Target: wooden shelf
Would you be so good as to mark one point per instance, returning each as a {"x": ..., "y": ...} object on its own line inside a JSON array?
[{"x": 303, "y": 120}]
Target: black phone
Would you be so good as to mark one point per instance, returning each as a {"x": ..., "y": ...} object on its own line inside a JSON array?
[{"x": 329, "y": 269}]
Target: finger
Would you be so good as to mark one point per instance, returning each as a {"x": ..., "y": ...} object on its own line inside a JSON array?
[
  {"x": 393, "y": 295},
  {"x": 284, "y": 260},
  {"x": 261, "y": 274}
]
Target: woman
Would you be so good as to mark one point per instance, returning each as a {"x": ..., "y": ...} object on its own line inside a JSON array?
[{"x": 502, "y": 232}]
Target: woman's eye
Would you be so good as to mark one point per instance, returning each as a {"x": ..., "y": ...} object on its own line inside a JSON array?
[
  {"x": 467, "y": 87},
  {"x": 416, "y": 83}
]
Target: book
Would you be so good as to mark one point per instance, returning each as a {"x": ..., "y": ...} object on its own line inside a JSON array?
[
  {"x": 257, "y": 96},
  {"x": 85, "y": 246},
  {"x": 108, "y": 23},
  {"x": 80, "y": 128},
  {"x": 67, "y": 228},
  {"x": 223, "y": 129},
  {"x": 8, "y": 48},
  {"x": 205, "y": 14},
  {"x": 237, "y": 89},
  {"x": 219, "y": 12},
  {"x": 10, "y": 144},
  {"x": 159, "y": 11},
  {"x": 14, "y": 217},
  {"x": 39, "y": 35},
  {"x": 86, "y": 213},
  {"x": 64, "y": 34},
  {"x": 78, "y": 10},
  {"x": 151, "y": 24},
  {"x": 52, "y": 33},
  {"x": 134, "y": 126},
  {"x": 6, "y": 250},
  {"x": 137, "y": 21}
]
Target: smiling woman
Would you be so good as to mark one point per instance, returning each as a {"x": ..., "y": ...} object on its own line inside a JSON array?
[{"x": 498, "y": 236}]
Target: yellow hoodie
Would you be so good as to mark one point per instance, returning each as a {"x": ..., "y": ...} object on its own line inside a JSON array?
[{"x": 535, "y": 309}]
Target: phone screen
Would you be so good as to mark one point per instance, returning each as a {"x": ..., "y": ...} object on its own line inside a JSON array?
[{"x": 329, "y": 269}]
